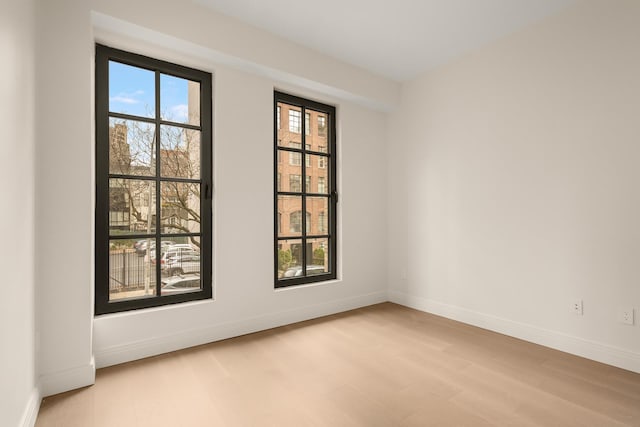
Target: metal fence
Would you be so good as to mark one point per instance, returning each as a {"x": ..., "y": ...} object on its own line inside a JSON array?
[{"x": 129, "y": 271}]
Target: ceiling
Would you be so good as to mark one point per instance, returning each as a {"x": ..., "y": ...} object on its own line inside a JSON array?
[{"x": 397, "y": 39}]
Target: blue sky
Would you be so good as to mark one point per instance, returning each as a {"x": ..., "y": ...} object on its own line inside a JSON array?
[{"x": 132, "y": 91}]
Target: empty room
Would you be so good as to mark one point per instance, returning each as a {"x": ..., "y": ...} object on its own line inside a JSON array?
[{"x": 334, "y": 213}]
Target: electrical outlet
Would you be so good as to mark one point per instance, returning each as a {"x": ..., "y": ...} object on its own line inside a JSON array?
[
  {"x": 625, "y": 316},
  {"x": 576, "y": 307}
]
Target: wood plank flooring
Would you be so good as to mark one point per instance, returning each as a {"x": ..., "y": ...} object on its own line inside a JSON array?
[{"x": 384, "y": 365}]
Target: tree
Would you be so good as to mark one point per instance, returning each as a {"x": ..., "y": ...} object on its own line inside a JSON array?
[
  {"x": 284, "y": 259},
  {"x": 318, "y": 256},
  {"x": 132, "y": 147}
]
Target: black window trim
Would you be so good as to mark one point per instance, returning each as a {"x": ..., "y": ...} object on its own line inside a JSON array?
[
  {"x": 329, "y": 154},
  {"x": 103, "y": 54}
]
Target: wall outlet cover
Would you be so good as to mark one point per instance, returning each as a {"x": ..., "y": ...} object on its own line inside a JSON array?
[
  {"x": 576, "y": 307},
  {"x": 626, "y": 316}
]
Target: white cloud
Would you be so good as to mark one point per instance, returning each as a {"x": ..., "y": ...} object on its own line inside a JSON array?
[
  {"x": 180, "y": 112},
  {"x": 127, "y": 98},
  {"x": 123, "y": 99}
]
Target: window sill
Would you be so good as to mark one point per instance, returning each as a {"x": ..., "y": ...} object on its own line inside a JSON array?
[
  {"x": 308, "y": 285},
  {"x": 139, "y": 311}
]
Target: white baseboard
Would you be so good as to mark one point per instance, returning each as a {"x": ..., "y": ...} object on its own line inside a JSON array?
[
  {"x": 599, "y": 352},
  {"x": 70, "y": 379},
  {"x": 158, "y": 345},
  {"x": 30, "y": 413}
]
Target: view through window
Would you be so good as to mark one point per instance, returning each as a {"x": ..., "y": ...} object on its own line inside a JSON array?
[{"x": 153, "y": 179}]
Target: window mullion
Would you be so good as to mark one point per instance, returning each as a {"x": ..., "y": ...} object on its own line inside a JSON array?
[
  {"x": 158, "y": 193},
  {"x": 303, "y": 185}
]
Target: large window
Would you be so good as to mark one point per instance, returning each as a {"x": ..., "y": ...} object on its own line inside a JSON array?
[
  {"x": 153, "y": 182},
  {"x": 305, "y": 245}
]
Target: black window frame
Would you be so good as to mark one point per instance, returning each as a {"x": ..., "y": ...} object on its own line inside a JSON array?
[
  {"x": 103, "y": 55},
  {"x": 330, "y": 156}
]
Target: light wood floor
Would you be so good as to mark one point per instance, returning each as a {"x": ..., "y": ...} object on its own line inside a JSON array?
[{"x": 384, "y": 365}]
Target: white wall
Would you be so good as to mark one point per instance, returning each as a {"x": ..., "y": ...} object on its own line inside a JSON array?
[
  {"x": 19, "y": 397},
  {"x": 245, "y": 300},
  {"x": 64, "y": 194},
  {"x": 517, "y": 170}
]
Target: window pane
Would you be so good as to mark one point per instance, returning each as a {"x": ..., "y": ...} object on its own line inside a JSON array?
[
  {"x": 177, "y": 246},
  {"x": 290, "y": 209},
  {"x": 132, "y": 206},
  {"x": 179, "y": 100},
  {"x": 317, "y": 207},
  {"x": 131, "y": 147},
  {"x": 318, "y": 137},
  {"x": 180, "y": 265},
  {"x": 289, "y": 258},
  {"x": 317, "y": 256},
  {"x": 131, "y": 90},
  {"x": 319, "y": 175},
  {"x": 180, "y": 152},
  {"x": 130, "y": 274},
  {"x": 182, "y": 283},
  {"x": 288, "y": 171},
  {"x": 287, "y": 121},
  {"x": 180, "y": 207}
]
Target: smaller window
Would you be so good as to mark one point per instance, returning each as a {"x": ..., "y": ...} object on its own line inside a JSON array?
[
  {"x": 295, "y": 222},
  {"x": 305, "y": 245},
  {"x": 295, "y": 183},
  {"x": 294, "y": 121},
  {"x": 295, "y": 159},
  {"x": 278, "y": 117},
  {"x": 322, "y": 126},
  {"x": 322, "y": 223}
]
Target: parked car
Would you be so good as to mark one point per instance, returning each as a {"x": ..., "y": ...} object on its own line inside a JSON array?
[
  {"x": 176, "y": 250},
  {"x": 178, "y": 246},
  {"x": 181, "y": 284},
  {"x": 141, "y": 246},
  {"x": 168, "y": 245},
  {"x": 181, "y": 264},
  {"x": 312, "y": 270}
]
